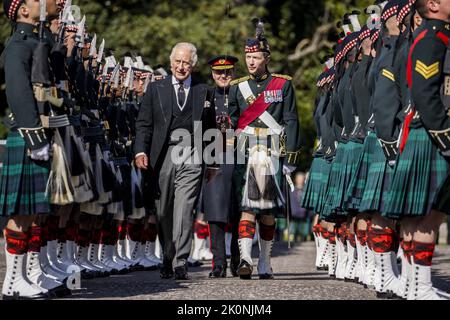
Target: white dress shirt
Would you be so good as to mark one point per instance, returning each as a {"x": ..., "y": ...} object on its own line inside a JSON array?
[
  {"x": 176, "y": 85},
  {"x": 187, "y": 87}
]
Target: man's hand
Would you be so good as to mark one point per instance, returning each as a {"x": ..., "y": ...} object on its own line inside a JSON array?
[
  {"x": 211, "y": 173},
  {"x": 41, "y": 154},
  {"x": 446, "y": 153},
  {"x": 141, "y": 161},
  {"x": 287, "y": 169}
]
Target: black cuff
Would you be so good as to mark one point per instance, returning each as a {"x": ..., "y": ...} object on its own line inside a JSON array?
[
  {"x": 390, "y": 149},
  {"x": 35, "y": 138},
  {"x": 292, "y": 158},
  {"x": 442, "y": 138}
]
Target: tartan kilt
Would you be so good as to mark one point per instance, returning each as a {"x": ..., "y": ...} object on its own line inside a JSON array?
[
  {"x": 352, "y": 154},
  {"x": 23, "y": 180},
  {"x": 378, "y": 182},
  {"x": 313, "y": 185},
  {"x": 358, "y": 181},
  {"x": 326, "y": 168},
  {"x": 342, "y": 178},
  {"x": 418, "y": 175},
  {"x": 328, "y": 212}
]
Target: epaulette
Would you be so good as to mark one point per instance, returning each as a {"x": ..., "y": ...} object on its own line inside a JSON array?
[
  {"x": 276, "y": 75},
  {"x": 237, "y": 81}
]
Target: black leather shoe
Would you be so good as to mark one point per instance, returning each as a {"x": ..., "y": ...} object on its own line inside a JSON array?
[
  {"x": 234, "y": 264},
  {"x": 166, "y": 272},
  {"x": 195, "y": 264},
  {"x": 244, "y": 270},
  {"x": 61, "y": 291},
  {"x": 266, "y": 276},
  {"x": 181, "y": 273},
  {"x": 218, "y": 272}
]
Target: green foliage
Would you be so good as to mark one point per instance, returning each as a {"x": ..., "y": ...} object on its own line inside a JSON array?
[{"x": 151, "y": 27}]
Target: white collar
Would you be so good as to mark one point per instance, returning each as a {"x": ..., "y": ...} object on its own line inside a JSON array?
[{"x": 186, "y": 83}]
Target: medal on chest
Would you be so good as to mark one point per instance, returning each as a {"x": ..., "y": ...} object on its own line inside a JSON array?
[{"x": 273, "y": 96}]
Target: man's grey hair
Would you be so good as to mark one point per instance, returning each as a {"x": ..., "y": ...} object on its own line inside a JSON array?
[{"x": 187, "y": 45}]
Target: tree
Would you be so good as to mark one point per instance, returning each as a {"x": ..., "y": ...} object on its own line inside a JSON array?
[{"x": 300, "y": 32}]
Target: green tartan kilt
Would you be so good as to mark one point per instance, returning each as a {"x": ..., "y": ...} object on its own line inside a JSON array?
[
  {"x": 326, "y": 169},
  {"x": 340, "y": 179},
  {"x": 378, "y": 182},
  {"x": 328, "y": 213},
  {"x": 358, "y": 181},
  {"x": 23, "y": 180},
  {"x": 418, "y": 175},
  {"x": 313, "y": 185}
]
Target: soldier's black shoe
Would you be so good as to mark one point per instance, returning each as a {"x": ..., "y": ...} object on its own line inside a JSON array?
[
  {"x": 181, "y": 273},
  {"x": 16, "y": 296},
  {"x": 166, "y": 272},
  {"x": 244, "y": 270},
  {"x": 61, "y": 291},
  {"x": 266, "y": 276},
  {"x": 233, "y": 268},
  {"x": 114, "y": 272},
  {"x": 152, "y": 268},
  {"x": 195, "y": 264},
  {"x": 218, "y": 272},
  {"x": 124, "y": 271}
]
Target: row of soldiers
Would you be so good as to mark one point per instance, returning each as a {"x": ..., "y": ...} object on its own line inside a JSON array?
[
  {"x": 84, "y": 212},
  {"x": 379, "y": 179},
  {"x": 88, "y": 181}
]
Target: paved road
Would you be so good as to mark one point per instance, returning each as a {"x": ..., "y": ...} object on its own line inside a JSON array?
[{"x": 295, "y": 278}]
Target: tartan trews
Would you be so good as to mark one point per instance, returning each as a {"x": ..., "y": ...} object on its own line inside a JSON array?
[{"x": 23, "y": 181}]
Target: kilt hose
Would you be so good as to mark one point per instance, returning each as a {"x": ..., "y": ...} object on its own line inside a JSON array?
[
  {"x": 23, "y": 180},
  {"x": 418, "y": 176}
]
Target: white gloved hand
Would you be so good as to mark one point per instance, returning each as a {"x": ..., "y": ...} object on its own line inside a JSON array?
[
  {"x": 288, "y": 169},
  {"x": 391, "y": 163},
  {"x": 41, "y": 154},
  {"x": 446, "y": 153}
]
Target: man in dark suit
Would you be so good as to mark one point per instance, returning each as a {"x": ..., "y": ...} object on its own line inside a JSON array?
[{"x": 169, "y": 118}]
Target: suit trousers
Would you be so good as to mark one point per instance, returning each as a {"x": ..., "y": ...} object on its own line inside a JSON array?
[
  {"x": 217, "y": 237},
  {"x": 179, "y": 186}
]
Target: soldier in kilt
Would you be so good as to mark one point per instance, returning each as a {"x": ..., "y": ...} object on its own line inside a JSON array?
[
  {"x": 347, "y": 152},
  {"x": 315, "y": 188},
  {"x": 268, "y": 123},
  {"x": 355, "y": 189},
  {"x": 311, "y": 194},
  {"x": 24, "y": 196},
  {"x": 386, "y": 103},
  {"x": 423, "y": 164}
]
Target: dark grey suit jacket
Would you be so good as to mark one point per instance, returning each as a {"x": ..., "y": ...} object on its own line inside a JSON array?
[{"x": 155, "y": 115}]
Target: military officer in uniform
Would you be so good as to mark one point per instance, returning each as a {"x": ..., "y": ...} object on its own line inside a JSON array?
[
  {"x": 268, "y": 129},
  {"x": 218, "y": 201}
]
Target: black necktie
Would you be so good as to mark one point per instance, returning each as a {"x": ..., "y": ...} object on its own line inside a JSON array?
[{"x": 181, "y": 95}]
